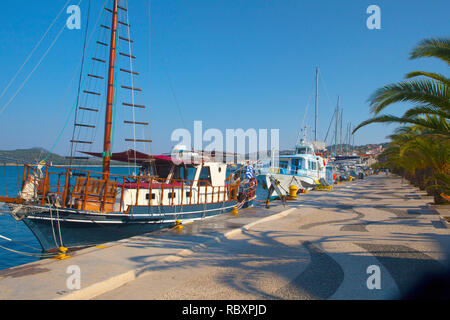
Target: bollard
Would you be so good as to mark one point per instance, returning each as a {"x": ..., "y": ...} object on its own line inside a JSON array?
[
  {"x": 62, "y": 255},
  {"x": 293, "y": 192},
  {"x": 178, "y": 225}
]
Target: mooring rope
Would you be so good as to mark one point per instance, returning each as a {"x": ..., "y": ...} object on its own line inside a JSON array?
[
  {"x": 30, "y": 254},
  {"x": 53, "y": 229},
  {"x": 41, "y": 254}
]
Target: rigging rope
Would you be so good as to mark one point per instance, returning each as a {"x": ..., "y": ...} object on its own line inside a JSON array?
[
  {"x": 32, "y": 51},
  {"x": 34, "y": 69},
  {"x": 75, "y": 106},
  {"x": 81, "y": 78},
  {"x": 150, "y": 71},
  {"x": 172, "y": 89},
  {"x": 304, "y": 116},
  {"x": 132, "y": 82},
  {"x": 331, "y": 121},
  {"x": 95, "y": 69},
  {"x": 329, "y": 100}
]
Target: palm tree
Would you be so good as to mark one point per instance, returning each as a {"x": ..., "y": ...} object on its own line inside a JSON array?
[
  {"x": 421, "y": 158},
  {"x": 428, "y": 91},
  {"x": 420, "y": 149}
]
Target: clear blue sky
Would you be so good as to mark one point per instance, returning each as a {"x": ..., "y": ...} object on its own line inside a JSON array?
[{"x": 231, "y": 63}]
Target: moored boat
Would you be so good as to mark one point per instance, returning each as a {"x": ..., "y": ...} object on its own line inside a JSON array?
[
  {"x": 67, "y": 207},
  {"x": 303, "y": 169},
  {"x": 70, "y": 207}
]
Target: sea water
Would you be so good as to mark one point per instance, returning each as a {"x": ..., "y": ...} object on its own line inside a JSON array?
[{"x": 25, "y": 247}]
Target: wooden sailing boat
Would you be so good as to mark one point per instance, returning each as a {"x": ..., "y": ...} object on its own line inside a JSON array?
[{"x": 68, "y": 207}]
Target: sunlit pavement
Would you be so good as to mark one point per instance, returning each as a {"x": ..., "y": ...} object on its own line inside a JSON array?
[{"x": 366, "y": 239}]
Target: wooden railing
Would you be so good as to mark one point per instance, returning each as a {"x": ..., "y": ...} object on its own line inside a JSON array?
[{"x": 87, "y": 190}]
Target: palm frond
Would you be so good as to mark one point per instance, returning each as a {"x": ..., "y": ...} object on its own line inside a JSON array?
[
  {"x": 437, "y": 48},
  {"x": 437, "y": 124},
  {"x": 424, "y": 91},
  {"x": 426, "y": 109},
  {"x": 432, "y": 75}
]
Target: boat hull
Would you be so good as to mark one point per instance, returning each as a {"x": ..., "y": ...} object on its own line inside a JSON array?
[
  {"x": 286, "y": 180},
  {"x": 74, "y": 228}
]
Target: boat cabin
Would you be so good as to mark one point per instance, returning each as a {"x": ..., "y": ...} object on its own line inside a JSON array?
[
  {"x": 172, "y": 183},
  {"x": 301, "y": 164},
  {"x": 304, "y": 149},
  {"x": 160, "y": 181}
]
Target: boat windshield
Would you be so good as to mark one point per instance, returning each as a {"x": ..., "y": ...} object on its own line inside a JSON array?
[{"x": 304, "y": 150}]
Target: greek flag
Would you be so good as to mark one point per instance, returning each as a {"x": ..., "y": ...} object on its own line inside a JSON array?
[{"x": 249, "y": 173}]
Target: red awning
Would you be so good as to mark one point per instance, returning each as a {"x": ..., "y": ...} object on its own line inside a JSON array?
[{"x": 131, "y": 156}]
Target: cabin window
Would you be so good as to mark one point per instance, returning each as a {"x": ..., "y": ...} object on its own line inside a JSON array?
[
  {"x": 304, "y": 150},
  {"x": 147, "y": 196},
  {"x": 314, "y": 165},
  {"x": 301, "y": 163},
  {"x": 205, "y": 176},
  {"x": 147, "y": 170},
  {"x": 163, "y": 169},
  {"x": 298, "y": 163},
  {"x": 184, "y": 172},
  {"x": 309, "y": 165},
  {"x": 170, "y": 194},
  {"x": 283, "y": 164},
  {"x": 294, "y": 165}
]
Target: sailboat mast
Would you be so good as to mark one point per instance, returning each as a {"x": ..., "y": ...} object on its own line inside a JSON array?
[
  {"x": 340, "y": 135},
  {"x": 353, "y": 144},
  {"x": 349, "y": 138},
  {"x": 336, "y": 127},
  {"x": 317, "y": 103},
  {"x": 110, "y": 93}
]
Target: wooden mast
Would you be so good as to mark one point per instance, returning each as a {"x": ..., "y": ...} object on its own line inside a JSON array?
[{"x": 110, "y": 93}]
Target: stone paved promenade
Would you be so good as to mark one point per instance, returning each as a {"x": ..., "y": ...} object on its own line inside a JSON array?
[{"x": 321, "y": 250}]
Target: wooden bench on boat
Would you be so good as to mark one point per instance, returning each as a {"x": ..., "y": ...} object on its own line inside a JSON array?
[{"x": 94, "y": 197}]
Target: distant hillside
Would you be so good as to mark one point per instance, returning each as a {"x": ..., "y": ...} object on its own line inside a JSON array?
[
  {"x": 363, "y": 149},
  {"x": 359, "y": 149},
  {"x": 34, "y": 155}
]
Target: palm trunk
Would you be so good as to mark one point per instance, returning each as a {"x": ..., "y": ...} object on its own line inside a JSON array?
[{"x": 438, "y": 199}]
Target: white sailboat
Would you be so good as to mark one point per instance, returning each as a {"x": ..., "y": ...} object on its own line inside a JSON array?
[{"x": 304, "y": 168}]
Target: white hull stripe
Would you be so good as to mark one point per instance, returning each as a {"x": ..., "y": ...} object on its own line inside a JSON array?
[{"x": 172, "y": 214}]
